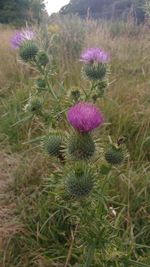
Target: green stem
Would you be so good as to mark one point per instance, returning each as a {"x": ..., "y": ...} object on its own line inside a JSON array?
[
  {"x": 49, "y": 87},
  {"x": 51, "y": 90},
  {"x": 90, "y": 256},
  {"x": 46, "y": 80},
  {"x": 90, "y": 91}
]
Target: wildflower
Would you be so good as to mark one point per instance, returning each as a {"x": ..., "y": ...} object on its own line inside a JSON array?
[
  {"x": 20, "y": 36},
  {"x": 95, "y": 60},
  {"x": 94, "y": 55},
  {"x": 85, "y": 117}
]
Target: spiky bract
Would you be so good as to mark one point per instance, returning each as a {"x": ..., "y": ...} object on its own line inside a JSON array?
[
  {"x": 28, "y": 51},
  {"x": 80, "y": 181},
  {"x": 53, "y": 144},
  {"x": 114, "y": 155},
  {"x": 81, "y": 146},
  {"x": 41, "y": 84},
  {"x": 95, "y": 71},
  {"x": 42, "y": 58}
]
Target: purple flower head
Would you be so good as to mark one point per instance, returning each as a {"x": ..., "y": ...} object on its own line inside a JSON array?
[
  {"x": 85, "y": 117},
  {"x": 20, "y": 36},
  {"x": 92, "y": 55}
]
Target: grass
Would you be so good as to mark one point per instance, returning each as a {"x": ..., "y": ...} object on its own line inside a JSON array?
[{"x": 51, "y": 234}]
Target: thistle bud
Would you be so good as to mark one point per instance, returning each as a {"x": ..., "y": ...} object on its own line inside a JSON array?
[
  {"x": 81, "y": 146},
  {"x": 42, "y": 58},
  {"x": 41, "y": 84},
  {"x": 80, "y": 181},
  {"x": 53, "y": 144},
  {"x": 114, "y": 155},
  {"x": 95, "y": 71},
  {"x": 28, "y": 51}
]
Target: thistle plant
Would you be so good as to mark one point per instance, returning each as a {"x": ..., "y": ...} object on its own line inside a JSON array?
[
  {"x": 96, "y": 69},
  {"x": 87, "y": 165}
]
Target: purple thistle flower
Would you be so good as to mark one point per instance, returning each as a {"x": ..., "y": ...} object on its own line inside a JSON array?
[
  {"x": 20, "y": 36},
  {"x": 92, "y": 55},
  {"x": 85, "y": 117}
]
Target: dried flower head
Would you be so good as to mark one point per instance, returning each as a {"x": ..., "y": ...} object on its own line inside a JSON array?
[
  {"x": 93, "y": 55},
  {"x": 85, "y": 117},
  {"x": 20, "y": 36}
]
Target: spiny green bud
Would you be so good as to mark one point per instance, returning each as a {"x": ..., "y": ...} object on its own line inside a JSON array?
[
  {"x": 53, "y": 144},
  {"x": 28, "y": 51},
  {"x": 95, "y": 71},
  {"x": 41, "y": 84},
  {"x": 42, "y": 58},
  {"x": 34, "y": 105},
  {"x": 80, "y": 181},
  {"x": 114, "y": 155},
  {"x": 81, "y": 146}
]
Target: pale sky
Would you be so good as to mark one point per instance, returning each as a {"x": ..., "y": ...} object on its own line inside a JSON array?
[{"x": 55, "y": 5}]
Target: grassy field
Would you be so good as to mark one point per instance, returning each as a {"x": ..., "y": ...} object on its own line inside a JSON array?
[{"x": 46, "y": 230}]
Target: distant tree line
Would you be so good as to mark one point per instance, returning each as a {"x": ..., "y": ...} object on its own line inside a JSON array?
[
  {"x": 107, "y": 9},
  {"x": 19, "y": 11}
]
